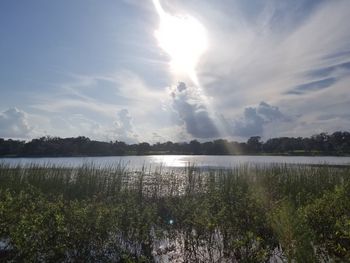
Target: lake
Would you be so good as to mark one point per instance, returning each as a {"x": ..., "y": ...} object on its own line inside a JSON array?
[{"x": 178, "y": 161}]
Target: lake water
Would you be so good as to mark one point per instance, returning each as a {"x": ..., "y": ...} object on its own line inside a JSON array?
[{"x": 178, "y": 161}]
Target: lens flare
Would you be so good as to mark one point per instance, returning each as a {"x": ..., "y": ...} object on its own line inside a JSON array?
[{"x": 183, "y": 38}]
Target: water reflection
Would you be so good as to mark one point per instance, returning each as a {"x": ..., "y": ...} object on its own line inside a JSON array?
[
  {"x": 177, "y": 161},
  {"x": 170, "y": 160}
]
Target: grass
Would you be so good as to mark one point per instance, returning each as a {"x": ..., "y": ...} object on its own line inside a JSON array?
[{"x": 248, "y": 213}]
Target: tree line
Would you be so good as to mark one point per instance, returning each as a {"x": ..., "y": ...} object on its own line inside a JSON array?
[{"x": 337, "y": 143}]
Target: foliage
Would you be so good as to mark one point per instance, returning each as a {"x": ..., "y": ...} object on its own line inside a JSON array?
[
  {"x": 245, "y": 214},
  {"x": 337, "y": 143},
  {"x": 329, "y": 218}
]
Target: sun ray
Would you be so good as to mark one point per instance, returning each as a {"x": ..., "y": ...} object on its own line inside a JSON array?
[{"x": 185, "y": 40}]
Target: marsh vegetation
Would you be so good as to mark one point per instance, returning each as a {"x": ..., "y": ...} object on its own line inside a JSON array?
[{"x": 251, "y": 213}]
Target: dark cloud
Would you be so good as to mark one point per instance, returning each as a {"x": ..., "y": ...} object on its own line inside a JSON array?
[
  {"x": 14, "y": 124},
  {"x": 312, "y": 86},
  {"x": 193, "y": 113},
  {"x": 269, "y": 113},
  {"x": 181, "y": 86},
  {"x": 253, "y": 120}
]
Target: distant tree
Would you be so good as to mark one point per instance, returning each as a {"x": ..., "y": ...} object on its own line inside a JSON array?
[
  {"x": 340, "y": 141},
  {"x": 254, "y": 144},
  {"x": 119, "y": 148},
  {"x": 336, "y": 143},
  {"x": 195, "y": 147},
  {"x": 143, "y": 148}
]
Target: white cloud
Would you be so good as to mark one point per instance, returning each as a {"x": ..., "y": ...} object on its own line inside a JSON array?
[
  {"x": 77, "y": 108},
  {"x": 14, "y": 124},
  {"x": 267, "y": 63},
  {"x": 276, "y": 53},
  {"x": 123, "y": 128},
  {"x": 265, "y": 56}
]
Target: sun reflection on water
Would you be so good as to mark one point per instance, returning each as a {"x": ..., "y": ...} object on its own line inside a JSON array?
[{"x": 170, "y": 160}]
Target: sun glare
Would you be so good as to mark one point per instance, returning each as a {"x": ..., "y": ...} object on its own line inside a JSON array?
[{"x": 183, "y": 38}]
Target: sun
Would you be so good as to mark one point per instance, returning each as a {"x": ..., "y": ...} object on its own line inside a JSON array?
[{"x": 183, "y": 38}]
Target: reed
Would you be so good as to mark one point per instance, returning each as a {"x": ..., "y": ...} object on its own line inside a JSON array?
[{"x": 250, "y": 213}]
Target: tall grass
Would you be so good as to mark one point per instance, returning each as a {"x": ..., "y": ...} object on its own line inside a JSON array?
[{"x": 250, "y": 213}]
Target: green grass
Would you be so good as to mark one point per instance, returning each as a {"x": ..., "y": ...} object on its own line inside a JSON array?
[{"x": 112, "y": 214}]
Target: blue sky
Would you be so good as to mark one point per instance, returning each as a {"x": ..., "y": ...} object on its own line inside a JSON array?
[{"x": 95, "y": 68}]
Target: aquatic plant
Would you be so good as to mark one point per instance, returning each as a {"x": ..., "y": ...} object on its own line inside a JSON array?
[{"x": 250, "y": 213}]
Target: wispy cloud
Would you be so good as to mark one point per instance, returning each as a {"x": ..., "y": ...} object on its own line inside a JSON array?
[
  {"x": 273, "y": 68},
  {"x": 312, "y": 86},
  {"x": 99, "y": 100},
  {"x": 284, "y": 50}
]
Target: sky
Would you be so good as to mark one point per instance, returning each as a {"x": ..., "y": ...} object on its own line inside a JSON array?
[{"x": 143, "y": 70}]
